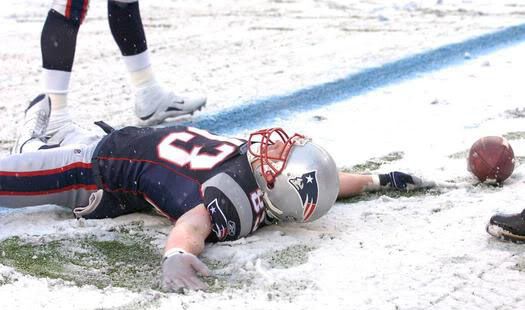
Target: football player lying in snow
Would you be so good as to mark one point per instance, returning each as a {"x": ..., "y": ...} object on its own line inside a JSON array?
[{"x": 213, "y": 188}]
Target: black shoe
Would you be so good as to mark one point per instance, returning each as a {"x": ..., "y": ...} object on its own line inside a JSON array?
[{"x": 510, "y": 227}]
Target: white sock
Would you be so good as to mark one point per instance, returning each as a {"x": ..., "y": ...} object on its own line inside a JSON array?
[
  {"x": 137, "y": 62},
  {"x": 60, "y": 116},
  {"x": 55, "y": 81},
  {"x": 58, "y": 101},
  {"x": 139, "y": 68},
  {"x": 375, "y": 185},
  {"x": 375, "y": 180},
  {"x": 141, "y": 77}
]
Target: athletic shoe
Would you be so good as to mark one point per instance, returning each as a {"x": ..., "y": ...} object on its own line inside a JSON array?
[
  {"x": 153, "y": 104},
  {"x": 60, "y": 119},
  {"x": 71, "y": 134},
  {"x": 31, "y": 131},
  {"x": 510, "y": 227},
  {"x": 62, "y": 130}
]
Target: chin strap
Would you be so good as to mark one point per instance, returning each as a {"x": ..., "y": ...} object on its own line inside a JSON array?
[
  {"x": 272, "y": 210},
  {"x": 252, "y": 158}
]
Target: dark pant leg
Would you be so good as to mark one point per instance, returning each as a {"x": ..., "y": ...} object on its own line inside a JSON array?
[{"x": 126, "y": 26}]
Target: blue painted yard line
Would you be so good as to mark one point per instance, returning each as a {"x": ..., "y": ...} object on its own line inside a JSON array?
[{"x": 263, "y": 113}]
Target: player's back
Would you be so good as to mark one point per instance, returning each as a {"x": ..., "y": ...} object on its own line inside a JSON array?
[
  {"x": 186, "y": 151},
  {"x": 165, "y": 166}
]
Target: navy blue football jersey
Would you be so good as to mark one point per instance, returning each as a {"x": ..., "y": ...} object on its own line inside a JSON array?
[{"x": 174, "y": 169}]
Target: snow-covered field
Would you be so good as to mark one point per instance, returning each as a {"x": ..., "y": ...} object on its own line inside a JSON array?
[{"x": 426, "y": 250}]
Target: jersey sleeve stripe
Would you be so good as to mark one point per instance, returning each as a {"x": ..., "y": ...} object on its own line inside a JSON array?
[
  {"x": 58, "y": 181},
  {"x": 77, "y": 165},
  {"x": 87, "y": 187}
]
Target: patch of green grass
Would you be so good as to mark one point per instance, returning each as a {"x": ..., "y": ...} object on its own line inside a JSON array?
[
  {"x": 224, "y": 276},
  {"x": 374, "y": 163},
  {"x": 129, "y": 228},
  {"x": 459, "y": 155},
  {"x": 514, "y": 135},
  {"x": 6, "y": 279},
  {"x": 123, "y": 260},
  {"x": 214, "y": 264},
  {"x": 216, "y": 283},
  {"x": 291, "y": 256},
  {"x": 36, "y": 260},
  {"x": 516, "y": 113},
  {"x": 457, "y": 12}
]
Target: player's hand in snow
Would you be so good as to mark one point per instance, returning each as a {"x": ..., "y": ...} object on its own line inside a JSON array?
[
  {"x": 179, "y": 270},
  {"x": 403, "y": 181}
]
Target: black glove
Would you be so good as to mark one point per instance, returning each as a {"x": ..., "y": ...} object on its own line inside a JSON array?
[{"x": 402, "y": 181}]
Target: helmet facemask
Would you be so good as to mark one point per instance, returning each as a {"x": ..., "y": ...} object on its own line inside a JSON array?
[
  {"x": 271, "y": 165},
  {"x": 299, "y": 179}
]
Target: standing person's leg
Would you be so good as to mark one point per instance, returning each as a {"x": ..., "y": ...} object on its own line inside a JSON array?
[
  {"x": 153, "y": 103},
  {"x": 58, "y": 44},
  {"x": 61, "y": 176},
  {"x": 32, "y": 133}
]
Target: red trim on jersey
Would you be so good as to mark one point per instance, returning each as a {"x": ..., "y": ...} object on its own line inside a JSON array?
[
  {"x": 87, "y": 187},
  {"x": 158, "y": 209},
  {"x": 67, "y": 13},
  {"x": 84, "y": 10},
  {"x": 147, "y": 198},
  {"x": 45, "y": 172}
]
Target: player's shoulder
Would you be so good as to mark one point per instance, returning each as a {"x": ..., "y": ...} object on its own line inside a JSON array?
[
  {"x": 133, "y": 133},
  {"x": 233, "y": 200}
]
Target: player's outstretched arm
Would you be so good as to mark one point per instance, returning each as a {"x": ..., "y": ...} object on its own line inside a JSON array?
[
  {"x": 185, "y": 241},
  {"x": 353, "y": 184}
]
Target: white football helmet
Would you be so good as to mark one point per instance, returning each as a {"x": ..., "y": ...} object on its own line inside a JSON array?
[{"x": 299, "y": 179}]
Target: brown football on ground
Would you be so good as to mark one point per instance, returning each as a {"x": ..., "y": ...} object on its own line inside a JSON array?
[{"x": 491, "y": 159}]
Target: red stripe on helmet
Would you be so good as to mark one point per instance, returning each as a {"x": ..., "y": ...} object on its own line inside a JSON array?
[{"x": 309, "y": 210}]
